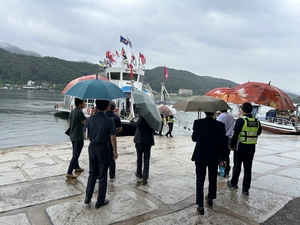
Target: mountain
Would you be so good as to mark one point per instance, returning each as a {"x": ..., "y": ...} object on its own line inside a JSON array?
[
  {"x": 15, "y": 49},
  {"x": 22, "y": 65},
  {"x": 184, "y": 79}
]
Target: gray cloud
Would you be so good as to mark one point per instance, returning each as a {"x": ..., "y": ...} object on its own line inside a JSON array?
[{"x": 236, "y": 40}]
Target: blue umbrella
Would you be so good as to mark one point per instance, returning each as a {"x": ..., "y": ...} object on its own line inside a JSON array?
[{"x": 96, "y": 89}]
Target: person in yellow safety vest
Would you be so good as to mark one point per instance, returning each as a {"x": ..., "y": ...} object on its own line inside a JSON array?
[
  {"x": 170, "y": 120},
  {"x": 246, "y": 131}
]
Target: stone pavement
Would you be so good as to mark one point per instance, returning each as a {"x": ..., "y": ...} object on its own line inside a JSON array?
[{"x": 34, "y": 190}]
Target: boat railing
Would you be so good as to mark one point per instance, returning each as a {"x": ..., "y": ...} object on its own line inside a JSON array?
[{"x": 277, "y": 120}]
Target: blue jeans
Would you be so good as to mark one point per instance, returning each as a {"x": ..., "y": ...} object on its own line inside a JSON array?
[{"x": 77, "y": 147}]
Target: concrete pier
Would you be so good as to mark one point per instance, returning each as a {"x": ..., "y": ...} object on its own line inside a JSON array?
[{"x": 34, "y": 189}]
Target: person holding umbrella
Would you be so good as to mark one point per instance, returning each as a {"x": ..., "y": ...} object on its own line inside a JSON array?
[
  {"x": 144, "y": 140},
  {"x": 102, "y": 132},
  {"x": 209, "y": 135}
]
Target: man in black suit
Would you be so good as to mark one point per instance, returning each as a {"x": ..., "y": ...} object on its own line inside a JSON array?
[
  {"x": 144, "y": 140},
  {"x": 209, "y": 135}
]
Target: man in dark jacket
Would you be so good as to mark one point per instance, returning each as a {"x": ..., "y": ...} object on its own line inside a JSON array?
[
  {"x": 144, "y": 140},
  {"x": 209, "y": 135},
  {"x": 246, "y": 130},
  {"x": 112, "y": 163}
]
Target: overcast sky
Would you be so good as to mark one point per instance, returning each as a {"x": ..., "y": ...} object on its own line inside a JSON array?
[{"x": 248, "y": 40}]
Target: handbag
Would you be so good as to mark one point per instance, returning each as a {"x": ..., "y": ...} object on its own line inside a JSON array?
[{"x": 68, "y": 132}]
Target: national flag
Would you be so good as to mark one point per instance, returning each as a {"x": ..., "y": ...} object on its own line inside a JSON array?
[
  {"x": 117, "y": 54},
  {"x": 166, "y": 73},
  {"x": 110, "y": 56},
  {"x": 101, "y": 64},
  {"x": 129, "y": 42},
  {"x": 133, "y": 61},
  {"x": 143, "y": 59},
  {"x": 131, "y": 71},
  {"x": 123, "y": 40},
  {"x": 123, "y": 53}
]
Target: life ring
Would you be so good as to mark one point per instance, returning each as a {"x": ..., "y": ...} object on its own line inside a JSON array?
[
  {"x": 88, "y": 111},
  {"x": 71, "y": 107}
]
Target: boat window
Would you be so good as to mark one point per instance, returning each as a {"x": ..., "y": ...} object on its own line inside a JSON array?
[
  {"x": 141, "y": 78},
  {"x": 126, "y": 76},
  {"x": 115, "y": 76}
]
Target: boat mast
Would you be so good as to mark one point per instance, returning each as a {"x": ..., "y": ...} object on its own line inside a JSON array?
[
  {"x": 164, "y": 90},
  {"x": 297, "y": 117}
]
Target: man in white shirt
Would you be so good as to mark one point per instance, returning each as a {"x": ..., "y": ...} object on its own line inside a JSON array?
[{"x": 229, "y": 124}]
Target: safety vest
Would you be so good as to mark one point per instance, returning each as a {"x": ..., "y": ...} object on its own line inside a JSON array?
[
  {"x": 248, "y": 134},
  {"x": 170, "y": 120}
]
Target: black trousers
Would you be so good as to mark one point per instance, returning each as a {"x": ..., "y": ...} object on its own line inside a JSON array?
[
  {"x": 143, "y": 152},
  {"x": 227, "y": 154},
  {"x": 77, "y": 147},
  {"x": 112, "y": 163},
  {"x": 98, "y": 160},
  {"x": 212, "y": 179},
  {"x": 170, "y": 129},
  {"x": 244, "y": 156}
]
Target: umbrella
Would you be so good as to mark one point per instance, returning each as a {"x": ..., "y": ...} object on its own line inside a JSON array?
[
  {"x": 96, "y": 89},
  {"x": 264, "y": 94},
  {"x": 165, "y": 110},
  {"x": 201, "y": 103},
  {"x": 255, "y": 92},
  {"x": 148, "y": 109},
  {"x": 226, "y": 94},
  {"x": 75, "y": 81}
]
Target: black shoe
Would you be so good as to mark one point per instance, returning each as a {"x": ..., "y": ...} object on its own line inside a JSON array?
[
  {"x": 245, "y": 192},
  {"x": 138, "y": 176},
  {"x": 166, "y": 135},
  {"x": 200, "y": 210},
  {"x": 209, "y": 201},
  {"x": 100, "y": 204},
  {"x": 87, "y": 200},
  {"x": 171, "y": 135},
  {"x": 229, "y": 184},
  {"x": 145, "y": 182}
]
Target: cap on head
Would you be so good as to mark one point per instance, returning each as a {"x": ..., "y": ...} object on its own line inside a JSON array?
[{"x": 246, "y": 107}]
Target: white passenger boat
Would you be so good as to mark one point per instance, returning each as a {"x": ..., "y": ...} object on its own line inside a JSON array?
[
  {"x": 127, "y": 75},
  {"x": 271, "y": 120}
]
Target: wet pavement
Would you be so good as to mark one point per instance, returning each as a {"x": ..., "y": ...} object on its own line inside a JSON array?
[{"x": 34, "y": 190}]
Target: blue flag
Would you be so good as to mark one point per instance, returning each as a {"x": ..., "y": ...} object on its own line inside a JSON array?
[{"x": 123, "y": 40}]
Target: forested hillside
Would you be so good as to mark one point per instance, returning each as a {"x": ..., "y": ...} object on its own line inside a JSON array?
[
  {"x": 18, "y": 69},
  {"x": 184, "y": 79}
]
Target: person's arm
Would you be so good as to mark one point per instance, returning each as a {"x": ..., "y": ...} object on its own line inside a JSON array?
[
  {"x": 119, "y": 129},
  {"x": 137, "y": 123},
  {"x": 113, "y": 140},
  {"x": 236, "y": 130},
  {"x": 195, "y": 131}
]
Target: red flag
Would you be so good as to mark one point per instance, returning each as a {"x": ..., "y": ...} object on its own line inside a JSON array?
[
  {"x": 131, "y": 72},
  {"x": 166, "y": 73},
  {"x": 143, "y": 59}
]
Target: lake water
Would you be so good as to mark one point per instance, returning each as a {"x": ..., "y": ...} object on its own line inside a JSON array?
[{"x": 27, "y": 118}]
